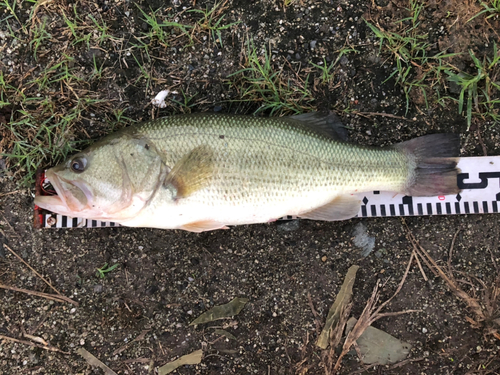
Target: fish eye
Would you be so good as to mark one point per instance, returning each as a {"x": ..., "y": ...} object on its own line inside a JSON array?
[{"x": 78, "y": 164}]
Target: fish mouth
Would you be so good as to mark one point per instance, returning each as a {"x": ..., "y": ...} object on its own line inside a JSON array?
[{"x": 72, "y": 197}]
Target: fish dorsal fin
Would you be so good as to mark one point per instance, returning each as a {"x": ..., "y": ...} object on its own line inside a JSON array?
[
  {"x": 191, "y": 173},
  {"x": 203, "y": 226},
  {"x": 341, "y": 208},
  {"x": 326, "y": 123}
]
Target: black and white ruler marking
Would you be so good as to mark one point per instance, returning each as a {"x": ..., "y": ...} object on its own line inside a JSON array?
[
  {"x": 479, "y": 180},
  {"x": 50, "y": 220}
]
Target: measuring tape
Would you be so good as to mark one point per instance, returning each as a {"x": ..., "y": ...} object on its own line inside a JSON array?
[{"x": 479, "y": 181}]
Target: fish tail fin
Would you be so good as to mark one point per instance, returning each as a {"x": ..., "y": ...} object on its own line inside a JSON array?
[{"x": 434, "y": 160}]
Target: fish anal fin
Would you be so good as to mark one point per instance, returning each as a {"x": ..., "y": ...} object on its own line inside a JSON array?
[
  {"x": 191, "y": 173},
  {"x": 203, "y": 226},
  {"x": 341, "y": 208}
]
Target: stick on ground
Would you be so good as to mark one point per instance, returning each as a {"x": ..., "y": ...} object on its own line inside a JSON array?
[
  {"x": 45, "y": 347},
  {"x": 31, "y": 268},
  {"x": 40, "y": 294}
]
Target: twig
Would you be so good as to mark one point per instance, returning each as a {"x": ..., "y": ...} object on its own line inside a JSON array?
[
  {"x": 420, "y": 266},
  {"x": 335, "y": 337},
  {"x": 417, "y": 256},
  {"x": 399, "y": 287},
  {"x": 413, "y": 241},
  {"x": 35, "y": 338},
  {"x": 40, "y": 323},
  {"x": 367, "y": 114},
  {"x": 495, "y": 246},
  {"x": 286, "y": 352},
  {"x": 478, "y": 132},
  {"x": 311, "y": 305},
  {"x": 40, "y": 294},
  {"x": 364, "y": 368},
  {"x": 316, "y": 317},
  {"x": 409, "y": 360},
  {"x": 9, "y": 193},
  {"x": 51, "y": 348},
  {"x": 303, "y": 352},
  {"x": 94, "y": 361},
  {"x": 358, "y": 328},
  {"x": 450, "y": 252},
  {"x": 139, "y": 360},
  {"x": 421, "y": 269},
  {"x": 472, "y": 303},
  {"x": 31, "y": 268},
  {"x": 10, "y": 226},
  {"x": 138, "y": 338}
]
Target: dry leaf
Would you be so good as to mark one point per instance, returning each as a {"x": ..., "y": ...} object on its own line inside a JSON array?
[
  {"x": 223, "y": 311},
  {"x": 377, "y": 346},
  {"x": 225, "y": 333},
  {"x": 193, "y": 358},
  {"x": 93, "y": 361},
  {"x": 342, "y": 300}
]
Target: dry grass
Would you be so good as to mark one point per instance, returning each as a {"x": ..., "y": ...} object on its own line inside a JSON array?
[{"x": 485, "y": 308}]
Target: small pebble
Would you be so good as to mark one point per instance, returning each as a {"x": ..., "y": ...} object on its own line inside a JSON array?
[
  {"x": 344, "y": 60},
  {"x": 98, "y": 288},
  {"x": 288, "y": 226}
]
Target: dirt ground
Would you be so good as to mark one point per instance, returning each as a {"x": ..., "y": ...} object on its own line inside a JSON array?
[{"x": 137, "y": 317}]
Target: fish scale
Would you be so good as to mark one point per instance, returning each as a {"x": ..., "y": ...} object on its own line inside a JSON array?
[{"x": 275, "y": 157}]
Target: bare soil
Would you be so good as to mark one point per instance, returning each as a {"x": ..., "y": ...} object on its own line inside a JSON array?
[{"x": 166, "y": 279}]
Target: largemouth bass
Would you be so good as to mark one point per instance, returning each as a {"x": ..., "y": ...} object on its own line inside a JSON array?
[{"x": 207, "y": 171}]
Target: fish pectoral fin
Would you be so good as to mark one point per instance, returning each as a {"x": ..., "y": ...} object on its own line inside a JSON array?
[
  {"x": 341, "y": 208},
  {"x": 191, "y": 173},
  {"x": 203, "y": 226}
]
